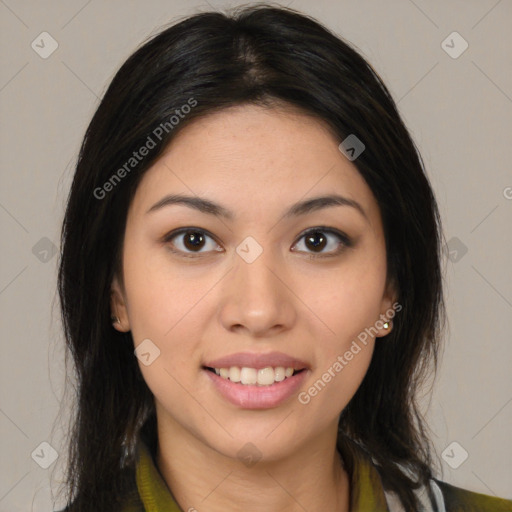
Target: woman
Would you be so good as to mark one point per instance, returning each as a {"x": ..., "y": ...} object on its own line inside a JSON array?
[{"x": 250, "y": 214}]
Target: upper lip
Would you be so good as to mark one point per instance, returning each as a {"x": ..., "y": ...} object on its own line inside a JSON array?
[{"x": 257, "y": 361}]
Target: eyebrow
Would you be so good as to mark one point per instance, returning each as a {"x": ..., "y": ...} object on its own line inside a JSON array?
[{"x": 300, "y": 208}]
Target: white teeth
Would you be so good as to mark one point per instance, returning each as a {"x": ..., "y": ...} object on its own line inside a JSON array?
[
  {"x": 252, "y": 376},
  {"x": 279, "y": 374},
  {"x": 266, "y": 376},
  {"x": 234, "y": 374},
  {"x": 248, "y": 376}
]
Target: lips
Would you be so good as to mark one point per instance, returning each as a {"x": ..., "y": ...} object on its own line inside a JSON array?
[{"x": 272, "y": 392}]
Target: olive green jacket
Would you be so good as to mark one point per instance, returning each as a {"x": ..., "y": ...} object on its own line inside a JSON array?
[{"x": 366, "y": 492}]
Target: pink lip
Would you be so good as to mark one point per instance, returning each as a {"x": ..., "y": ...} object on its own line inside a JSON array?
[
  {"x": 257, "y": 361},
  {"x": 257, "y": 397}
]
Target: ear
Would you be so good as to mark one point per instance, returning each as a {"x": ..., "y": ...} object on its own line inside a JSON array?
[
  {"x": 118, "y": 307},
  {"x": 389, "y": 308}
]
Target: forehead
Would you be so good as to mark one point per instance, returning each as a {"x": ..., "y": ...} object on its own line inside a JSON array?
[
  {"x": 248, "y": 157},
  {"x": 246, "y": 136}
]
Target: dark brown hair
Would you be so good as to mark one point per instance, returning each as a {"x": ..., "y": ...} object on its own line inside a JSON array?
[{"x": 255, "y": 55}]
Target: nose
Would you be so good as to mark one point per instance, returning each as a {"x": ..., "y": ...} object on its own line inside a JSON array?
[{"x": 257, "y": 299}]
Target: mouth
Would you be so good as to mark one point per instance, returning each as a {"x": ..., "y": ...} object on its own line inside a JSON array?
[
  {"x": 256, "y": 381},
  {"x": 247, "y": 376}
]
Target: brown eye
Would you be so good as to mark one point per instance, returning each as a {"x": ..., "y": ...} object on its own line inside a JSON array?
[
  {"x": 316, "y": 240},
  {"x": 189, "y": 241},
  {"x": 193, "y": 240}
]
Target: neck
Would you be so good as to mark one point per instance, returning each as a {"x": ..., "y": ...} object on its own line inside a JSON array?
[{"x": 310, "y": 478}]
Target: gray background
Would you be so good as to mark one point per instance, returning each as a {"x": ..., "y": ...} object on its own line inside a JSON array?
[{"x": 459, "y": 111}]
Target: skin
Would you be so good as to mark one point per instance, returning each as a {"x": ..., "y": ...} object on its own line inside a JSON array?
[{"x": 255, "y": 162}]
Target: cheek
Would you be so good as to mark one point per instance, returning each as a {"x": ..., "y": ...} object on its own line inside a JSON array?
[
  {"x": 349, "y": 300},
  {"x": 342, "y": 358},
  {"x": 333, "y": 385},
  {"x": 174, "y": 326},
  {"x": 159, "y": 298},
  {"x": 349, "y": 303},
  {"x": 167, "y": 305},
  {"x": 165, "y": 308}
]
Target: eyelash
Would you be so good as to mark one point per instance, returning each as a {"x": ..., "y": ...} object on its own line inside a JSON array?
[{"x": 345, "y": 241}]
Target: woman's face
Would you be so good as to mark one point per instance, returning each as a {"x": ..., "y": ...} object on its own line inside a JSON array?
[{"x": 251, "y": 273}]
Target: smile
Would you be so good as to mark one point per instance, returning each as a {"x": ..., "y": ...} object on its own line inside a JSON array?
[
  {"x": 252, "y": 376},
  {"x": 256, "y": 380}
]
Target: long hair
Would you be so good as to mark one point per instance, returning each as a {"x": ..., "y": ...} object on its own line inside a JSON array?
[{"x": 261, "y": 55}]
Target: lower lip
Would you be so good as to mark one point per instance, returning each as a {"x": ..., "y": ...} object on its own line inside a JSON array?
[{"x": 257, "y": 397}]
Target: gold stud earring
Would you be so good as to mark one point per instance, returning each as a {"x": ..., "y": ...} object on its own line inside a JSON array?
[{"x": 386, "y": 325}]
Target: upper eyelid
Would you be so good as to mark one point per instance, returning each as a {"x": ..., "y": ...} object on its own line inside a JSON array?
[{"x": 182, "y": 231}]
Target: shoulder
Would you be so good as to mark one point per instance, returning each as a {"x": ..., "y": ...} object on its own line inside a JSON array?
[{"x": 461, "y": 500}]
